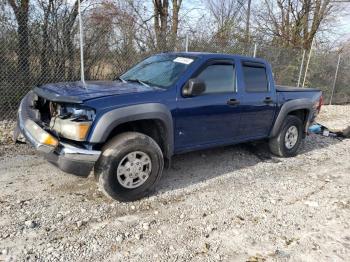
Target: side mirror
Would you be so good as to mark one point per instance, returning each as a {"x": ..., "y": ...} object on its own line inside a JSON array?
[{"x": 194, "y": 87}]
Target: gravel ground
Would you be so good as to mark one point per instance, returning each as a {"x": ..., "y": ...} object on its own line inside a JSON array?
[
  {"x": 6, "y": 129},
  {"x": 235, "y": 203}
]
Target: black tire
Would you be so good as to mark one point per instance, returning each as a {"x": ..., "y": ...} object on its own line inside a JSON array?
[
  {"x": 278, "y": 144},
  {"x": 114, "y": 152}
]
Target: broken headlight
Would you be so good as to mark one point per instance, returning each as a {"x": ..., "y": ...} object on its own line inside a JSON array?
[{"x": 71, "y": 121}]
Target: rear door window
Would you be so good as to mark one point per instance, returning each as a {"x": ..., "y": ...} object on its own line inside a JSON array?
[{"x": 255, "y": 78}]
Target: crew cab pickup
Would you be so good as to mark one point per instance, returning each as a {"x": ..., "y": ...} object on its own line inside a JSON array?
[{"x": 128, "y": 129}]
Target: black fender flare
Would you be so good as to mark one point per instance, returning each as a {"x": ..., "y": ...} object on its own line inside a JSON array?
[
  {"x": 119, "y": 116},
  {"x": 289, "y": 106}
]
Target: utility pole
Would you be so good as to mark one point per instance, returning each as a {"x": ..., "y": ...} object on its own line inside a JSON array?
[
  {"x": 186, "y": 48},
  {"x": 301, "y": 67},
  {"x": 255, "y": 46},
  {"x": 81, "y": 38},
  {"x": 335, "y": 79},
  {"x": 308, "y": 61}
]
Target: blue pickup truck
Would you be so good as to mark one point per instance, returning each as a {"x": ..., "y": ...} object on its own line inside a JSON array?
[{"x": 128, "y": 129}]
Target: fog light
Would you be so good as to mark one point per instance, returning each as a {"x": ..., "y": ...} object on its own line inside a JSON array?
[
  {"x": 48, "y": 139},
  {"x": 40, "y": 135}
]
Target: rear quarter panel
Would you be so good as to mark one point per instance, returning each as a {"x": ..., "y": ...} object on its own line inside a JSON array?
[{"x": 295, "y": 100}]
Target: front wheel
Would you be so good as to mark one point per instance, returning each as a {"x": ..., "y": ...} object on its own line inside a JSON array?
[
  {"x": 129, "y": 167},
  {"x": 288, "y": 140}
]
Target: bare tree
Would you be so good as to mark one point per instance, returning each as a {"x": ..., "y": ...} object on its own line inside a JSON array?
[
  {"x": 68, "y": 36},
  {"x": 247, "y": 23},
  {"x": 226, "y": 14},
  {"x": 175, "y": 21},
  {"x": 161, "y": 20},
  {"x": 161, "y": 12},
  {"x": 294, "y": 23},
  {"x": 44, "y": 58},
  {"x": 110, "y": 38},
  {"x": 21, "y": 10},
  {"x": 144, "y": 36}
]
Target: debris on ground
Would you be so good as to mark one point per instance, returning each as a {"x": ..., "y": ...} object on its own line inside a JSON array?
[{"x": 339, "y": 133}]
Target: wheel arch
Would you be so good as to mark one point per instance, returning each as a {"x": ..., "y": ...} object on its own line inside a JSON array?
[
  {"x": 142, "y": 118},
  {"x": 301, "y": 108}
]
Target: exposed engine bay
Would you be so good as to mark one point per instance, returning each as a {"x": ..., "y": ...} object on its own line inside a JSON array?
[{"x": 70, "y": 121}]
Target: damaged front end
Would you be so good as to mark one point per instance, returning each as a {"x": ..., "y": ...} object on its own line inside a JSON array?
[
  {"x": 58, "y": 130},
  {"x": 68, "y": 121}
]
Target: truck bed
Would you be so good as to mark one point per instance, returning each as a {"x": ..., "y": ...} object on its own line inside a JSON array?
[{"x": 295, "y": 89}]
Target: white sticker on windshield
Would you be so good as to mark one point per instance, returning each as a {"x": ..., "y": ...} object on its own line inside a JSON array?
[{"x": 183, "y": 60}]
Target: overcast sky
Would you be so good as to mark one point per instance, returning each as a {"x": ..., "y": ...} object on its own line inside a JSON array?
[{"x": 344, "y": 24}]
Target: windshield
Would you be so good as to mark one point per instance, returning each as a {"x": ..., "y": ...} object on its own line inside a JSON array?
[{"x": 158, "y": 70}]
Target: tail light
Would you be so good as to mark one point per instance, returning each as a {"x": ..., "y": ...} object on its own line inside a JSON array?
[{"x": 320, "y": 103}]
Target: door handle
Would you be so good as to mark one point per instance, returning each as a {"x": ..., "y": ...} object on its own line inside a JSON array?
[
  {"x": 233, "y": 102},
  {"x": 268, "y": 100}
]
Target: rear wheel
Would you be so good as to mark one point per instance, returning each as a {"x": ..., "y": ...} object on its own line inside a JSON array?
[
  {"x": 288, "y": 140},
  {"x": 129, "y": 167}
]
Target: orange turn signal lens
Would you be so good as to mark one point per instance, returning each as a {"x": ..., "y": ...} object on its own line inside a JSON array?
[
  {"x": 82, "y": 129},
  {"x": 40, "y": 135},
  {"x": 49, "y": 140}
]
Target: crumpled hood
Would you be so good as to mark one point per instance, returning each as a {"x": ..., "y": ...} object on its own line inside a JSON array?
[{"x": 76, "y": 92}]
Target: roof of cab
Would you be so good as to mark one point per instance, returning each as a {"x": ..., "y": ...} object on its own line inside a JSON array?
[{"x": 216, "y": 55}]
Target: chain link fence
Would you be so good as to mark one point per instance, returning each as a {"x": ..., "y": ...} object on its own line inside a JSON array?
[
  {"x": 53, "y": 56},
  {"x": 289, "y": 66}
]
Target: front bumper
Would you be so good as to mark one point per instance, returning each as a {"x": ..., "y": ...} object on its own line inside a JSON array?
[{"x": 68, "y": 158}]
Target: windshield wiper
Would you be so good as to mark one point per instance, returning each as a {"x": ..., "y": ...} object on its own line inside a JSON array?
[
  {"x": 137, "y": 81},
  {"x": 121, "y": 79}
]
